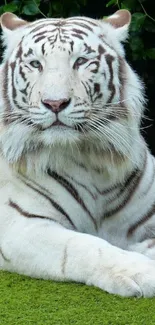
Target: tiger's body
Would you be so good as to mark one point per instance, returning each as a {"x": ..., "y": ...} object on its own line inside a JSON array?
[{"x": 77, "y": 181}]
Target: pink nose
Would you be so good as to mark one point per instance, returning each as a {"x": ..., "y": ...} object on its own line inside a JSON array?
[{"x": 56, "y": 106}]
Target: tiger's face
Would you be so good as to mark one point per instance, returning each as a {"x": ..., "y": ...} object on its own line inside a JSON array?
[
  {"x": 61, "y": 75},
  {"x": 64, "y": 81}
]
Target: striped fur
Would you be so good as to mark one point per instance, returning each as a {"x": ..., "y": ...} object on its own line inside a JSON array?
[{"x": 77, "y": 180}]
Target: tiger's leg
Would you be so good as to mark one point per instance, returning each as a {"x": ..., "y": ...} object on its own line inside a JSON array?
[{"x": 44, "y": 249}]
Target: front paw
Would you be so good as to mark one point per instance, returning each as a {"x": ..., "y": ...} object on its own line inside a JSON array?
[{"x": 129, "y": 275}]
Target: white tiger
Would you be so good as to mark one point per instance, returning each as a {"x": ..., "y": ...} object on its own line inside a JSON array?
[{"x": 77, "y": 185}]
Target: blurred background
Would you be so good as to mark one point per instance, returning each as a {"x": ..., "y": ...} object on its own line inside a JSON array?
[{"x": 140, "y": 48}]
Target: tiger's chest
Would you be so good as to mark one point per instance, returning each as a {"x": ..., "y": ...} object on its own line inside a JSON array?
[
  {"x": 76, "y": 197},
  {"x": 72, "y": 198}
]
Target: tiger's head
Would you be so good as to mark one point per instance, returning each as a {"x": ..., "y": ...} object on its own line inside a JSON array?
[{"x": 66, "y": 82}]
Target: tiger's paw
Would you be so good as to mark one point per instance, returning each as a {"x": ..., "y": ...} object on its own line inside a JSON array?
[{"x": 134, "y": 275}]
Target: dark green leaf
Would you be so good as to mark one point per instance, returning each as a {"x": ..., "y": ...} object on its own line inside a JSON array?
[
  {"x": 57, "y": 6},
  {"x": 1, "y": 10},
  {"x": 137, "y": 46},
  {"x": 12, "y": 7},
  {"x": 30, "y": 9},
  {"x": 124, "y": 6},
  {"x": 150, "y": 53},
  {"x": 137, "y": 22},
  {"x": 150, "y": 26},
  {"x": 111, "y": 2},
  {"x": 128, "y": 4}
]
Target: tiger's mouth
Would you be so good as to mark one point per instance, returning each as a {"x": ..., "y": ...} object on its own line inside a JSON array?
[
  {"x": 57, "y": 123},
  {"x": 60, "y": 125}
]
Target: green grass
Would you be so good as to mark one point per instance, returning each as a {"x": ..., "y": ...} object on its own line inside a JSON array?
[{"x": 26, "y": 301}]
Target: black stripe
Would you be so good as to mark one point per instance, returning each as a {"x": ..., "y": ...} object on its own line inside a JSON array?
[
  {"x": 122, "y": 76},
  {"x": 77, "y": 35},
  {"x": 129, "y": 187},
  {"x": 43, "y": 33},
  {"x": 5, "y": 93},
  {"x": 71, "y": 189},
  {"x": 87, "y": 91},
  {"x": 4, "y": 257},
  {"x": 27, "y": 214},
  {"x": 54, "y": 204},
  {"x": 29, "y": 52},
  {"x": 39, "y": 26},
  {"x": 94, "y": 196},
  {"x": 152, "y": 179},
  {"x": 89, "y": 49},
  {"x": 140, "y": 222},
  {"x": 86, "y": 20},
  {"x": 108, "y": 190},
  {"x": 109, "y": 59},
  {"x": 81, "y": 24},
  {"x": 78, "y": 31},
  {"x": 97, "y": 63},
  {"x": 39, "y": 39},
  {"x": 14, "y": 93}
]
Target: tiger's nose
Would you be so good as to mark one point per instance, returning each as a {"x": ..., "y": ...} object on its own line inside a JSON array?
[{"x": 56, "y": 106}]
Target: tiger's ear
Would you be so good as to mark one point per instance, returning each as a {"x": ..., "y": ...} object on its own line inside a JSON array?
[
  {"x": 11, "y": 22},
  {"x": 120, "y": 20},
  {"x": 12, "y": 27}
]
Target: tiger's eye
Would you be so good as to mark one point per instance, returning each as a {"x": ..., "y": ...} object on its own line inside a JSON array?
[
  {"x": 36, "y": 64},
  {"x": 81, "y": 60}
]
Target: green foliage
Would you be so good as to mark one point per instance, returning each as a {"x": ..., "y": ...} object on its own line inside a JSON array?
[
  {"x": 30, "y": 8},
  {"x": 43, "y": 8},
  {"x": 142, "y": 23}
]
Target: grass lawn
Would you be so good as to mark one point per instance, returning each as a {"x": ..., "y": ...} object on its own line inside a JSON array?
[{"x": 26, "y": 301}]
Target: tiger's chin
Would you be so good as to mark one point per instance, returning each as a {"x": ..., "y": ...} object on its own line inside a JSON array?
[
  {"x": 22, "y": 146},
  {"x": 22, "y": 141}
]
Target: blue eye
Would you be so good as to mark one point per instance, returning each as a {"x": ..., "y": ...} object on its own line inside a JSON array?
[
  {"x": 36, "y": 64},
  {"x": 81, "y": 60}
]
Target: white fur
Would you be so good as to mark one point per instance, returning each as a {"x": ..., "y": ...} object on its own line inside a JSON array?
[{"x": 47, "y": 249}]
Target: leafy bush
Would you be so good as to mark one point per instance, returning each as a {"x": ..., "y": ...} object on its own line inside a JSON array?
[
  {"x": 44, "y": 8},
  {"x": 142, "y": 24}
]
